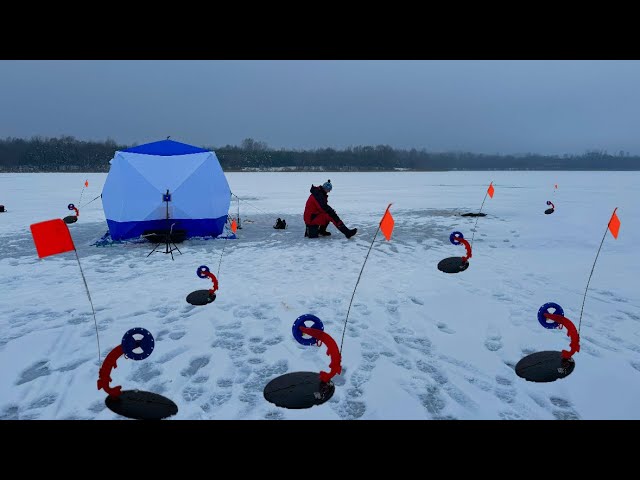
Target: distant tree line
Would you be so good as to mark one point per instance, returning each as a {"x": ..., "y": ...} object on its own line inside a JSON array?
[{"x": 67, "y": 154}]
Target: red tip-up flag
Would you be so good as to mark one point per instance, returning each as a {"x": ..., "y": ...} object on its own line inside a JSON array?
[
  {"x": 234, "y": 226},
  {"x": 86, "y": 183},
  {"x": 614, "y": 224},
  {"x": 52, "y": 237},
  {"x": 387, "y": 223},
  {"x": 491, "y": 190}
]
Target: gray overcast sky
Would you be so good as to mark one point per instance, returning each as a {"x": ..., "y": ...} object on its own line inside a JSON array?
[{"x": 488, "y": 106}]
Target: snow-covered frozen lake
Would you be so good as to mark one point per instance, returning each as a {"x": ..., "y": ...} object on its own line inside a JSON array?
[{"x": 420, "y": 344}]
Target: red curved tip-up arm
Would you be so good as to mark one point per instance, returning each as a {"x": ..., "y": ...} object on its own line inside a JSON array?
[
  {"x": 571, "y": 333},
  {"x": 214, "y": 280},
  {"x": 552, "y": 205},
  {"x": 104, "y": 377},
  {"x": 332, "y": 351},
  {"x": 77, "y": 211},
  {"x": 468, "y": 247}
]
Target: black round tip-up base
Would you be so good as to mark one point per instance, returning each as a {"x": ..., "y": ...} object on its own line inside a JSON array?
[
  {"x": 70, "y": 219},
  {"x": 201, "y": 297},
  {"x": 141, "y": 405},
  {"x": 474, "y": 214},
  {"x": 298, "y": 390},
  {"x": 453, "y": 265},
  {"x": 547, "y": 366},
  {"x": 549, "y": 211}
]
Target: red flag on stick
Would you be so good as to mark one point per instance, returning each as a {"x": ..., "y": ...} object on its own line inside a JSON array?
[
  {"x": 52, "y": 237},
  {"x": 234, "y": 225},
  {"x": 614, "y": 224},
  {"x": 614, "y": 227},
  {"x": 86, "y": 183},
  {"x": 491, "y": 190},
  {"x": 387, "y": 223}
]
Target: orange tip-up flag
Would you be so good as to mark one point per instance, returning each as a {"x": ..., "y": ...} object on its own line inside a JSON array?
[
  {"x": 614, "y": 224},
  {"x": 52, "y": 237},
  {"x": 86, "y": 183},
  {"x": 387, "y": 223},
  {"x": 234, "y": 226},
  {"x": 490, "y": 190}
]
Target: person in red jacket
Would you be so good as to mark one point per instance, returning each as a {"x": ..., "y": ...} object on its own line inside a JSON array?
[{"x": 318, "y": 213}]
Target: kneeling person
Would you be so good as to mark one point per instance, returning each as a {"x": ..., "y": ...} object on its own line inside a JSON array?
[{"x": 318, "y": 213}]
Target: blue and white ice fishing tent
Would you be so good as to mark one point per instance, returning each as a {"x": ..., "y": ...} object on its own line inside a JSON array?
[{"x": 132, "y": 196}]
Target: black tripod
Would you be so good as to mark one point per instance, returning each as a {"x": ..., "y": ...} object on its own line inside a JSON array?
[{"x": 166, "y": 197}]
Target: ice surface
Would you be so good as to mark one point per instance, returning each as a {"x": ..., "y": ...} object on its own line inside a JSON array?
[{"x": 420, "y": 344}]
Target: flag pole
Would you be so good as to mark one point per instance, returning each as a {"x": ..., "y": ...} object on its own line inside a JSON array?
[
  {"x": 479, "y": 212},
  {"x": 83, "y": 187},
  {"x": 95, "y": 322},
  {"x": 222, "y": 253},
  {"x": 593, "y": 268},
  {"x": 359, "y": 276},
  {"x": 52, "y": 237},
  {"x": 354, "y": 289}
]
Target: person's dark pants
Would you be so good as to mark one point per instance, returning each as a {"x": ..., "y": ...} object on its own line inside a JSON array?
[
  {"x": 312, "y": 231},
  {"x": 317, "y": 225}
]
